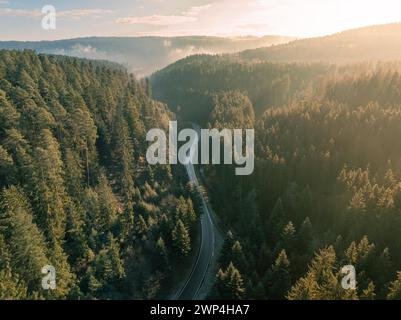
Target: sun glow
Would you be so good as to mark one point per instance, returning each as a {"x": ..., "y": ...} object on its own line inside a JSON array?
[{"x": 310, "y": 17}]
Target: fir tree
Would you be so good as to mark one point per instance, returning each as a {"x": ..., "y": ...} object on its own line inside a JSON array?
[{"x": 181, "y": 239}]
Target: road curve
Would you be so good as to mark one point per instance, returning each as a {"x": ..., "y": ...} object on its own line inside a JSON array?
[{"x": 193, "y": 284}]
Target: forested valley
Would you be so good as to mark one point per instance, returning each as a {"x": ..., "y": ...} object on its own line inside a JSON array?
[
  {"x": 326, "y": 191},
  {"x": 75, "y": 190}
]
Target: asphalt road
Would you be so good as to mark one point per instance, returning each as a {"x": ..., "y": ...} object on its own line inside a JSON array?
[{"x": 194, "y": 283}]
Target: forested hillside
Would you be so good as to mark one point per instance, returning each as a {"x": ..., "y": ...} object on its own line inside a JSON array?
[
  {"x": 327, "y": 183},
  {"x": 76, "y": 192},
  {"x": 144, "y": 55},
  {"x": 188, "y": 85},
  {"x": 345, "y": 47}
]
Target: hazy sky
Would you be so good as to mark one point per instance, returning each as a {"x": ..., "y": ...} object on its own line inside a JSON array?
[{"x": 21, "y": 19}]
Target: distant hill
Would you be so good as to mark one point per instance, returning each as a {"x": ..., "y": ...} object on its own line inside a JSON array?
[
  {"x": 144, "y": 55},
  {"x": 382, "y": 42},
  {"x": 276, "y": 75}
]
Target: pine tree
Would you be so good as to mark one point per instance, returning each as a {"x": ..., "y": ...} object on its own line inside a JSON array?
[
  {"x": 235, "y": 283},
  {"x": 11, "y": 288},
  {"x": 6, "y": 167},
  {"x": 229, "y": 284},
  {"x": 109, "y": 266},
  {"x": 226, "y": 251},
  {"x": 82, "y": 137},
  {"x": 362, "y": 256},
  {"x": 276, "y": 221},
  {"x": 321, "y": 282},
  {"x": 238, "y": 257},
  {"x": 48, "y": 185},
  {"x": 65, "y": 278},
  {"x": 369, "y": 292},
  {"x": 185, "y": 212},
  {"x": 93, "y": 285},
  {"x": 108, "y": 204},
  {"x": 123, "y": 154},
  {"x": 279, "y": 277},
  {"x": 394, "y": 292},
  {"x": 74, "y": 179},
  {"x": 9, "y": 116},
  {"x": 288, "y": 237},
  {"x": 181, "y": 239},
  {"x": 162, "y": 253},
  {"x": 26, "y": 243}
]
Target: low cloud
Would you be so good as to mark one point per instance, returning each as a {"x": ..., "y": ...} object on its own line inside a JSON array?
[
  {"x": 77, "y": 14},
  {"x": 157, "y": 20},
  {"x": 20, "y": 13},
  {"x": 194, "y": 11},
  {"x": 190, "y": 15}
]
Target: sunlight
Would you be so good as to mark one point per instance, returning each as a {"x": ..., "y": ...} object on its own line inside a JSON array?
[{"x": 290, "y": 17}]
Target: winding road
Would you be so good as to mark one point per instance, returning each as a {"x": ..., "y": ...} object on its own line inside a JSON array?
[{"x": 193, "y": 284}]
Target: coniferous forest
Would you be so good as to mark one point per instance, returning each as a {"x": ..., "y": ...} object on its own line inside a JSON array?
[
  {"x": 326, "y": 188},
  {"x": 76, "y": 192},
  {"x": 78, "y": 195}
]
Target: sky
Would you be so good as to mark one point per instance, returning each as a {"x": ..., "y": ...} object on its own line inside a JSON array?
[{"x": 21, "y": 19}]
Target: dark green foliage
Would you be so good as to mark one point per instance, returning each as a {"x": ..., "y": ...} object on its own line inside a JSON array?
[
  {"x": 75, "y": 190},
  {"x": 27, "y": 252},
  {"x": 190, "y": 86},
  {"x": 278, "y": 280},
  {"x": 229, "y": 284},
  {"x": 326, "y": 185},
  {"x": 395, "y": 288},
  {"x": 181, "y": 239}
]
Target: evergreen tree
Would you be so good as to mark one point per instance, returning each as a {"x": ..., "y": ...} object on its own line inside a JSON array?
[
  {"x": 70, "y": 149},
  {"x": 181, "y": 239},
  {"x": 162, "y": 252},
  {"x": 11, "y": 288},
  {"x": 288, "y": 237},
  {"x": 321, "y": 282},
  {"x": 229, "y": 284},
  {"x": 48, "y": 185},
  {"x": 394, "y": 291},
  {"x": 369, "y": 292},
  {"x": 26, "y": 243},
  {"x": 109, "y": 266},
  {"x": 276, "y": 220},
  {"x": 279, "y": 278},
  {"x": 238, "y": 256},
  {"x": 226, "y": 251}
]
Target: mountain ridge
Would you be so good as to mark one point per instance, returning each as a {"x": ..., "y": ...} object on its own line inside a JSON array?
[
  {"x": 349, "y": 46},
  {"x": 144, "y": 55}
]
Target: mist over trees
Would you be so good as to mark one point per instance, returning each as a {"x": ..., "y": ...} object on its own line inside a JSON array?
[
  {"x": 77, "y": 193},
  {"x": 144, "y": 55}
]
